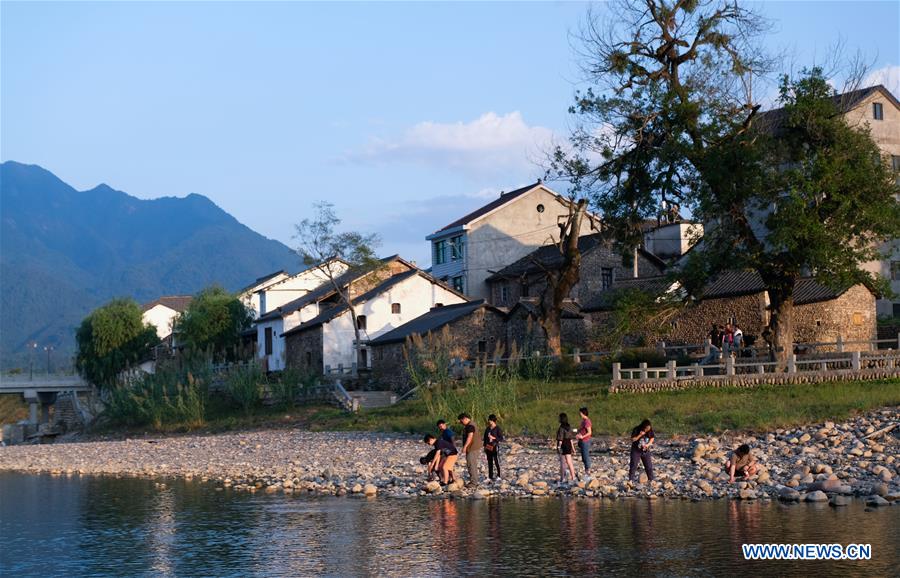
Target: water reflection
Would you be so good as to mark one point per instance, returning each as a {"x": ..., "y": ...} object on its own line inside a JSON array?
[{"x": 94, "y": 526}]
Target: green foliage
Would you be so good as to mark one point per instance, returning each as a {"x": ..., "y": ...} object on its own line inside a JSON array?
[
  {"x": 213, "y": 322},
  {"x": 487, "y": 391},
  {"x": 428, "y": 358},
  {"x": 245, "y": 387},
  {"x": 638, "y": 315},
  {"x": 112, "y": 339},
  {"x": 287, "y": 386},
  {"x": 169, "y": 396}
]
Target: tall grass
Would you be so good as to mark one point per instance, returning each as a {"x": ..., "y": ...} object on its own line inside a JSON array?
[{"x": 167, "y": 396}]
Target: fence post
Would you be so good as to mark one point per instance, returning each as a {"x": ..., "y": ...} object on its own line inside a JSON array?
[
  {"x": 824, "y": 366},
  {"x": 617, "y": 371},
  {"x": 761, "y": 368},
  {"x": 840, "y": 344},
  {"x": 898, "y": 340},
  {"x": 576, "y": 356},
  {"x": 699, "y": 371},
  {"x": 792, "y": 363},
  {"x": 729, "y": 365},
  {"x": 353, "y": 367},
  {"x": 341, "y": 368},
  {"x": 643, "y": 367},
  {"x": 672, "y": 373},
  {"x": 661, "y": 348},
  {"x": 854, "y": 360},
  {"x": 708, "y": 343}
]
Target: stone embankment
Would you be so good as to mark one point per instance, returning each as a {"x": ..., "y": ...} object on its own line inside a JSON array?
[{"x": 825, "y": 462}]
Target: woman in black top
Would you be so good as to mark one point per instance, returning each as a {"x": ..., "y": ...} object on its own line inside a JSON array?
[
  {"x": 492, "y": 438},
  {"x": 641, "y": 439},
  {"x": 565, "y": 448}
]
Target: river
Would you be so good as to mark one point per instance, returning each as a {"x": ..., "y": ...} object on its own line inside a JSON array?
[{"x": 96, "y": 526}]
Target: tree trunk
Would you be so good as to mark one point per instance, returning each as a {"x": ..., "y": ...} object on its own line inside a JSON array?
[
  {"x": 561, "y": 282},
  {"x": 779, "y": 334}
]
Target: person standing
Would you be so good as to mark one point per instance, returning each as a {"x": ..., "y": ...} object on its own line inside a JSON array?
[
  {"x": 565, "y": 448},
  {"x": 641, "y": 439},
  {"x": 471, "y": 448},
  {"x": 445, "y": 432},
  {"x": 493, "y": 435},
  {"x": 585, "y": 431}
]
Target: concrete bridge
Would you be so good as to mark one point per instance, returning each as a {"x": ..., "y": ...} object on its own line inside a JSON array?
[{"x": 40, "y": 391}]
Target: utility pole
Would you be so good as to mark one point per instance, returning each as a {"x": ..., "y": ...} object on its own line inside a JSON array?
[
  {"x": 31, "y": 347},
  {"x": 48, "y": 349}
]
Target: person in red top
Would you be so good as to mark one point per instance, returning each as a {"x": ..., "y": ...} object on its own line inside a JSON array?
[{"x": 584, "y": 439}]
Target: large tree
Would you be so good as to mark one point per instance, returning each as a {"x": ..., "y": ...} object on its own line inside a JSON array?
[
  {"x": 213, "y": 323},
  {"x": 321, "y": 246},
  {"x": 111, "y": 340},
  {"x": 670, "y": 120}
]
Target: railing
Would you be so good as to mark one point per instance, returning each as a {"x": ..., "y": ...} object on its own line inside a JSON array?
[
  {"x": 855, "y": 362},
  {"x": 344, "y": 399}
]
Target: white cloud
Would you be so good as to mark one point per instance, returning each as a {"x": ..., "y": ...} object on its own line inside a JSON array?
[
  {"x": 889, "y": 76},
  {"x": 490, "y": 145}
]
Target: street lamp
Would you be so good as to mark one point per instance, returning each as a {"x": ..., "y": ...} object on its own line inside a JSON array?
[
  {"x": 48, "y": 349},
  {"x": 31, "y": 347}
]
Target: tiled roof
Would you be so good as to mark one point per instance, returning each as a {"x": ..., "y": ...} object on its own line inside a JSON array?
[
  {"x": 175, "y": 302},
  {"x": 502, "y": 200},
  {"x": 326, "y": 289},
  {"x": 430, "y": 321},
  {"x": 550, "y": 257},
  {"x": 263, "y": 279},
  {"x": 570, "y": 309}
]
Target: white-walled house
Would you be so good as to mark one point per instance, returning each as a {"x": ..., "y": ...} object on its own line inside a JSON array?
[
  {"x": 161, "y": 313},
  {"x": 327, "y": 340},
  {"x": 467, "y": 251},
  {"x": 249, "y": 295}
]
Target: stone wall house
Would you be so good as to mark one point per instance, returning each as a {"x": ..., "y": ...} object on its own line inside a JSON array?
[
  {"x": 523, "y": 329},
  {"x": 497, "y": 234},
  {"x": 602, "y": 264},
  {"x": 821, "y": 314},
  {"x": 469, "y": 331},
  {"x": 270, "y": 327},
  {"x": 390, "y": 299}
]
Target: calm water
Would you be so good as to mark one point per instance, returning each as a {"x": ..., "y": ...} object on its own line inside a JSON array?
[{"x": 98, "y": 526}]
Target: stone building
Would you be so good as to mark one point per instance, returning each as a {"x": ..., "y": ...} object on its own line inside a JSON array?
[
  {"x": 500, "y": 232},
  {"x": 466, "y": 331},
  {"x": 821, "y": 314},
  {"x": 524, "y": 330},
  {"x": 602, "y": 264}
]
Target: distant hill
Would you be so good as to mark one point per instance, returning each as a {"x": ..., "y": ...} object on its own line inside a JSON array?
[{"x": 63, "y": 252}]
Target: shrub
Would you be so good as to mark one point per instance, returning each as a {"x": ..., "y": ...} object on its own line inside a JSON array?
[
  {"x": 244, "y": 386},
  {"x": 159, "y": 399}
]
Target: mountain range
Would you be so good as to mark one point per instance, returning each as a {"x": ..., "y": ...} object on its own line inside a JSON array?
[{"x": 63, "y": 252}]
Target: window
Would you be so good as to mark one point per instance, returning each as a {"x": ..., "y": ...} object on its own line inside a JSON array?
[
  {"x": 523, "y": 289},
  {"x": 440, "y": 252},
  {"x": 459, "y": 284},
  {"x": 268, "y": 341},
  {"x": 857, "y": 318},
  {"x": 896, "y": 308},
  {"x": 395, "y": 308},
  {"x": 877, "y": 111},
  {"x": 456, "y": 248},
  {"x": 309, "y": 358},
  {"x": 895, "y": 163},
  {"x": 438, "y": 304},
  {"x": 360, "y": 321},
  {"x": 504, "y": 294},
  {"x": 540, "y": 208},
  {"x": 364, "y": 358},
  {"x": 895, "y": 270},
  {"x": 482, "y": 346},
  {"x": 606, "y": 278}
]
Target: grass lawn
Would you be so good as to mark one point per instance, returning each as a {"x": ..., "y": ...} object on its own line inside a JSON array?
[{"x": 684, "y": 412}]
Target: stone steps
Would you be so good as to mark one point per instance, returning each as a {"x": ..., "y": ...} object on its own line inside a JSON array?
[{"x": 374, "y": 399}]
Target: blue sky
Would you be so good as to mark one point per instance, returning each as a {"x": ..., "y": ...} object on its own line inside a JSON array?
[{"x": 404, "y": 115}]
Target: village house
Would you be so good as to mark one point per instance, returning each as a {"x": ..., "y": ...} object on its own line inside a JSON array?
[
  {"x": 249, "y": 295},
  {"x": 821, "y": 314},
  {"x": 524, "y": 331},
  {"x": 602, "y": 263},
  {"x": 879, "y": 110},
  {"x": 467, "y": 251},
  {"x": 464, "y": 331},
  {"x": 161, "y": 313},
  {"x": 270, "y": 327},
  {"x": 388, "y": 299}
]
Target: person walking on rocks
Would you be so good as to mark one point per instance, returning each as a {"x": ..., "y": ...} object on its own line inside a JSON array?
[
  {"x": 565, "y": 448},
  {"x": 641, "y": 439},
  {"x": 584, "y": 439},
  {"x": 444, "y": 458},
  {"x": 493, "y": 435},
  {"x": 742, "y": 464},
  {"x": 471, "y": 448}
]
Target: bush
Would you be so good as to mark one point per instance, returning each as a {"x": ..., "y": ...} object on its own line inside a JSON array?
[
  {"x": 287, "y": 386},
  {"x": 489, "y": 390},
  {"x": 245, "y": 387},
  {"x": 162, "y": 398}
]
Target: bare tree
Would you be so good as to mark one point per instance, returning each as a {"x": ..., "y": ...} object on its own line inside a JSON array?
[{"x": 322, "y": 247}]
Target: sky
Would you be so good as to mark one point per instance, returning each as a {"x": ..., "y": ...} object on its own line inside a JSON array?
[{"x": 404, "y": 115}]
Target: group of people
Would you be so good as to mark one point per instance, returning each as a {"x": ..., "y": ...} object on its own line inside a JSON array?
[
  {"x": 723, "y": 340},
  {"x": 444, "y": 454}
]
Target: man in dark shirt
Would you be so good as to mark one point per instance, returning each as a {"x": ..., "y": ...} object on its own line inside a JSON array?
[
  {"x": 444, "y": 458},
  {"x": 446, "y": 432},
  {"x": 471, "y": 448}
]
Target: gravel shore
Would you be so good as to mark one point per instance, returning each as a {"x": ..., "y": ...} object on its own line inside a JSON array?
[{"x": 823, "y": 462}]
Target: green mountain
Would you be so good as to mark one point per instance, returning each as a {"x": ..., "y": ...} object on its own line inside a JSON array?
[{"x": 64, "y": 252}]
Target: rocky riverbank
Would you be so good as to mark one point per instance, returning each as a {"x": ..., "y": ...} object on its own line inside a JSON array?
[{"x": 824, "y": 462}]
